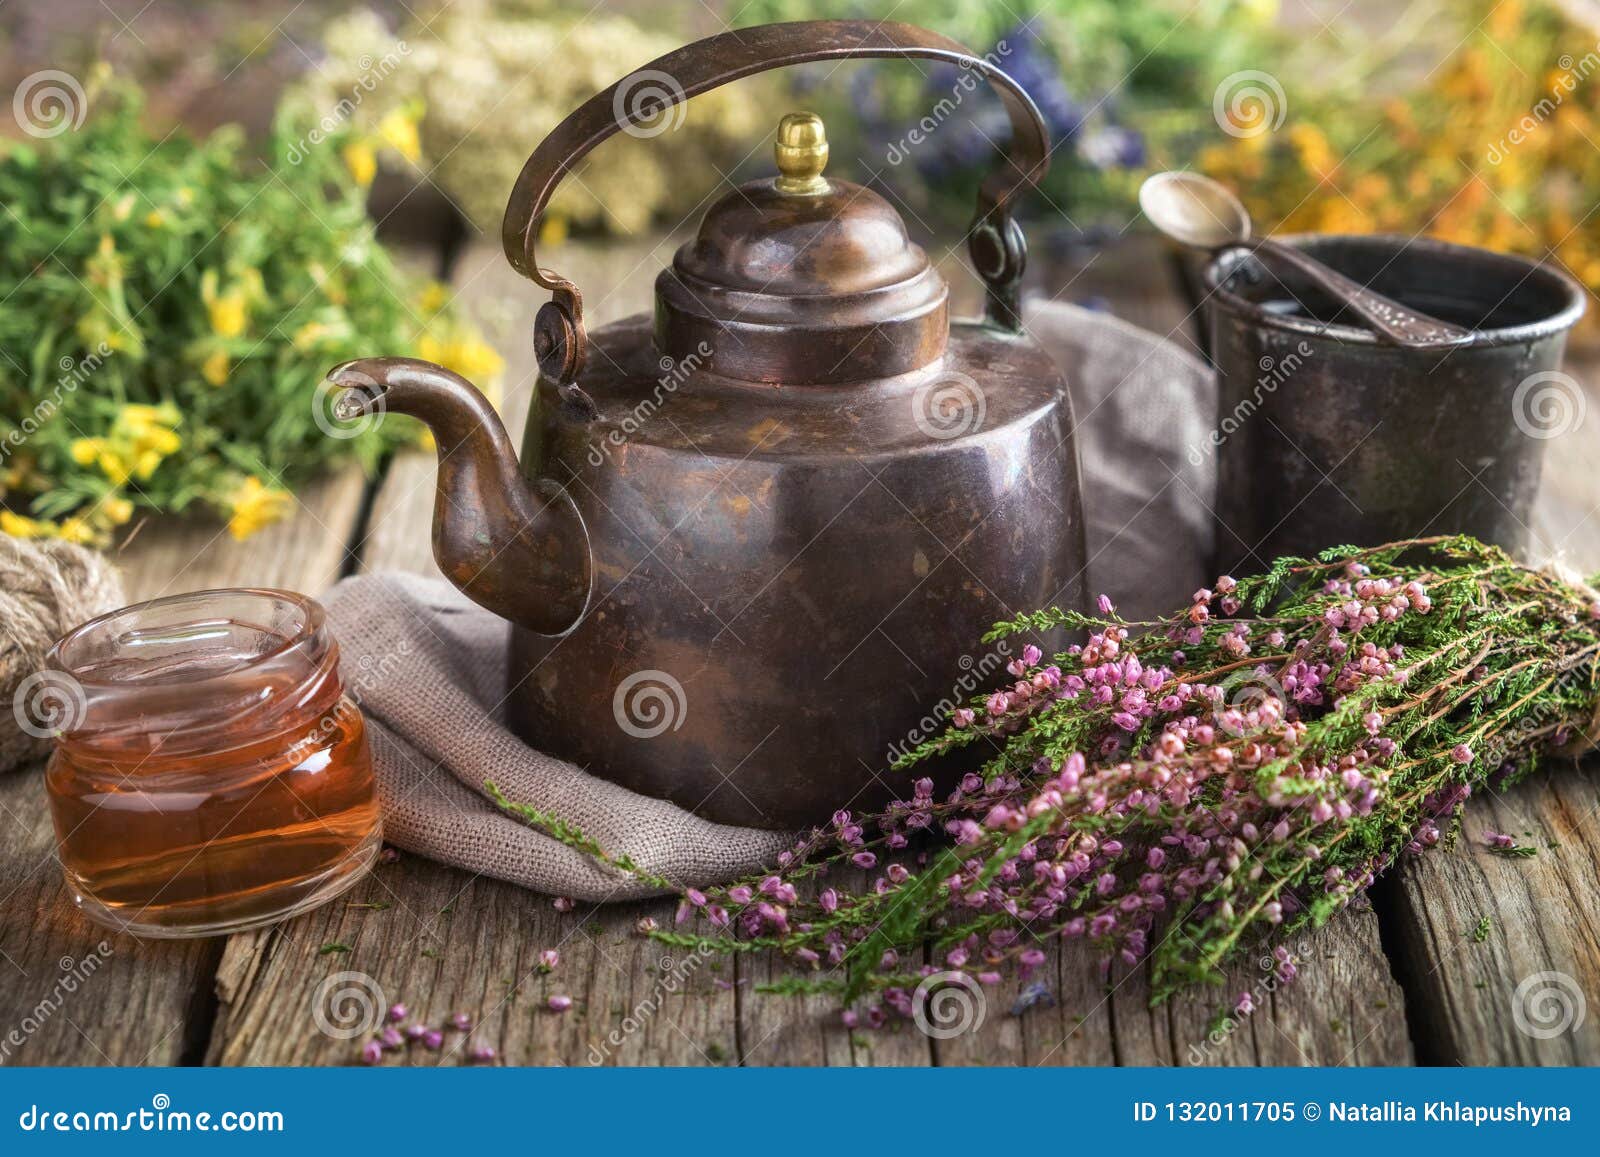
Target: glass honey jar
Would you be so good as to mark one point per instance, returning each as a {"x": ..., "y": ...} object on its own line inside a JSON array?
[{"x": 209, "y": 773}]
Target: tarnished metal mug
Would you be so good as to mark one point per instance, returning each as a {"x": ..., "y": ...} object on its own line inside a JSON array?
[{"x": 1326, "y": 435}]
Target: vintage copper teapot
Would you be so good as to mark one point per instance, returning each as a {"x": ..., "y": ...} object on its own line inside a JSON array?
[{"x": 753, "y": 542}]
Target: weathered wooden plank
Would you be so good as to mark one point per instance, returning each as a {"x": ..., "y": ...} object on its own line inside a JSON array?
[
  {"x": 1521, "y": 995},
  {"x": 146, "y": 1002},
  {"x": 304, "y": 552}
]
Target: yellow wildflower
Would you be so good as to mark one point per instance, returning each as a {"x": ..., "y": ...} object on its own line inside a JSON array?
[
  {"x": 399, "y": 131},
  {"x": 227, "y": 314},
  {"x": 19, "y": 526},
  {"x": 86, "y": 450},
  {"x": 553, "y": 230},
  {"x": 215, "y": 368},
  {"x": 122, "y": 207},
  {"x": 1313, "y": 149},
  {"x": 155, "y": 219},
  {"x": 117, "y": 509},
  {"x": 75, "y": 530},
  {"x": 467, "y": 355},
  {"x": 226, "y": 309},
  {"x": 308, "y": 335},
  {"x": 435, "y": 297},
  {"x": 255, "y": 506},
  {"x": 361, "y": 161},
  {"x": 185, "y": 197}
]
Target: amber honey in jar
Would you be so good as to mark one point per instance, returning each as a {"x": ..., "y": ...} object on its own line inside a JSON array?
[{"x": 209, "y": 773}]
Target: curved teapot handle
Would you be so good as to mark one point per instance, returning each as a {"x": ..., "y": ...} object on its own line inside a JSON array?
[{"x": 995, "y": 241}]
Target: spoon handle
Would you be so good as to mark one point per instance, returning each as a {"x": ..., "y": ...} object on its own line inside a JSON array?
[{"x": 1393, "y": 321}]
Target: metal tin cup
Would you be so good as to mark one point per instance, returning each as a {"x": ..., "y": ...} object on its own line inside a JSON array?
[{"x": 1327, "y": 436}]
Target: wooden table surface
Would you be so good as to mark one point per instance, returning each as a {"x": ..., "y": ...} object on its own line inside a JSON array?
[{"x": 1403, "y": 981}]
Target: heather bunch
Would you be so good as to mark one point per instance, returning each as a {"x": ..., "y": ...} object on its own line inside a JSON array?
[{"x": 1177, "y": 790}]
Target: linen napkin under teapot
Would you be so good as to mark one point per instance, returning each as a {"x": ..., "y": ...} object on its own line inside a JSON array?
[{"x": 429, "y": 667}]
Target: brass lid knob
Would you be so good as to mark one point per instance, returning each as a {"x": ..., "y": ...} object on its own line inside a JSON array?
[{"x": 802, "y": 152}]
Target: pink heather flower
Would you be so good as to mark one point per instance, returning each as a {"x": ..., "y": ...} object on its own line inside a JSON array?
[
  {"x": 1226, "y": 585},
  {"x": 1031, "y": 655},
  {"x": 997, "y": 703},
  {"x": 563, "y": 904},
  {"x": 645, "y": 925},
  {"x": 1498, "y": 840},
  {"x": 461, "y": 1022},
  {"x": 433, "y": 1040},
  {"x": 1461, "y": 753},
  {"x": 1372, "y": 721},
  {"x": 864, "y": 860},
  {"x": 397, "y": 1012},
  {"x": 962, "y": 716},
  {"x": 371, "y": 1053},
  {"x": 1105, "y": 605},
  {"x": 1246, "y": 1004},
  {"x": 415, "y": 1032},
  {"x": 549, "y": 958},
  {"x": 391, "y": 1038},
  {"x": 988, "y": 978},
  {"x": 481, "y": 1054},
  {"x": 559, "y": 1003}
]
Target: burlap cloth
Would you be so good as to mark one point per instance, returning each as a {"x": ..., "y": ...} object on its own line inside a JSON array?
[{"x": 429, "y": 667}]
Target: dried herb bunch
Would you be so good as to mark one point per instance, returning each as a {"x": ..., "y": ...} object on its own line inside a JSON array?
[{"x": 1235, "y": 772}]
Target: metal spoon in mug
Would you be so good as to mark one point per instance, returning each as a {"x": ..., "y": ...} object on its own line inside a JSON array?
[{"x": 1202, "y": 213}]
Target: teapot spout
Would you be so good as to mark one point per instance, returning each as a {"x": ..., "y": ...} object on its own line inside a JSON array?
[{"x": 514, "y": 545}]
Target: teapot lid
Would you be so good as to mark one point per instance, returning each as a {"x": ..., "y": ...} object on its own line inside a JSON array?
[{"x": 802, "y": 279}]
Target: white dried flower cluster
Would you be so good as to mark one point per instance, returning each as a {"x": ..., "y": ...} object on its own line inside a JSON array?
[{"x": 493, "y": 78}]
